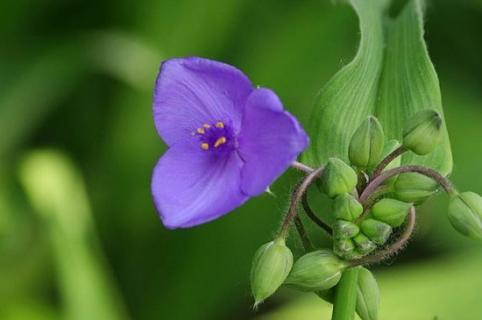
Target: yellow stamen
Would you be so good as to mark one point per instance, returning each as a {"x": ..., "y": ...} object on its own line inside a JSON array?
[
  {"x": 200, "y": 130},
  {"x": 207, "y": 126},
  {"x": 219, "y": 125},
  {"x": 204, "y": 146},
  {"x": 219, "y": 142}
]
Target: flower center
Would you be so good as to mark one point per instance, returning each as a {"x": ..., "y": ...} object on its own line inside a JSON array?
[{"x": 215, "y": 136}]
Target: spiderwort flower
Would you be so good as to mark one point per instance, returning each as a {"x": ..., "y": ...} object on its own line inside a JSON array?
[{"x": 227, "y": 140}]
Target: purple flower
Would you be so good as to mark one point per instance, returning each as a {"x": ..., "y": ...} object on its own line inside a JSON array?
[{"x": 228, "y": 141}]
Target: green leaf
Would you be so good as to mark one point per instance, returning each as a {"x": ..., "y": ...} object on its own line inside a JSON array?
[{"x": 390, "y": 77}]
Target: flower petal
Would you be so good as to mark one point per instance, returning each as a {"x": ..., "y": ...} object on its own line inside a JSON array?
[
  {"x": 190, "y": 186},
  {"x": 192, "y": 91},
  {"x": 270, "y": 141}
]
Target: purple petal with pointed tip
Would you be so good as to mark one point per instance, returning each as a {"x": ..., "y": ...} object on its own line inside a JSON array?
[
  {"x": 270, "y": 141},
  {"x": 193, "y": 91},
  {"x": 191, "y": 186}
]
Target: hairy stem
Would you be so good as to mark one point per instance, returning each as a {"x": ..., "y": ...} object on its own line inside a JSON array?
[
  {"x": 302, "y": 167},
  {"x": 387, "y": 160},
  {"x": 393, "y": 248},
  {"x": 312, "y": 215},
  {"x": 296, "y": 197},
  {"x": 345, "y": 295},
  {"x": 375, "y": 183}
]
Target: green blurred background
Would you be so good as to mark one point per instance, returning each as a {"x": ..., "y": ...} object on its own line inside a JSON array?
[{"x": 79, "y": 237}]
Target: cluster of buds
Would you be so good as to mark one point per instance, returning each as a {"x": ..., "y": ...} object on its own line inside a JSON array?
[{"x": 372, "y": 196}]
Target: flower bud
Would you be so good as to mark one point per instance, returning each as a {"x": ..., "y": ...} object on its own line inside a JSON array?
[
  {"x": 346, "y": 249},
  {"x": 414, "y": 187},
  {"x": 366, "y": 145},
  {"x": 345, "y": 229},
  {"x": 368, "y": 296},
  {"x": 465, "y": 214},
  {"x": 338, "y": 178},
  {"x": 423, "y": 132},
  {"x": 363, "y": 244},
  {"x": 346, "y": 207},
  {"x": 391, "y": 211},
  {"x": 376, "y": 231},
  {"x": 271, "y": 265},
  {"x": 317, "y": 270}
]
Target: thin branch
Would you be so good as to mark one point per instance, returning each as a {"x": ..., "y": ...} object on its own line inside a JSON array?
[
  {"x": 296, "y": 197},
  {"x": 303, "y": 235},
  {"x": 375, "y": 183},
  {"x": 387, "y": 160},
  {"x": 312, "y": 215},
  {"x": 393, "y": 248},
  {"x": 302, "y": 167}
]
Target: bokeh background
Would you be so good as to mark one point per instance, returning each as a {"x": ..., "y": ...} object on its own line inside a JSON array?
[{"x": 79, "y": 237}]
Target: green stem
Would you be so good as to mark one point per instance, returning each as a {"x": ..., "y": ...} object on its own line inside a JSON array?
[{"x": 345, "y": 296}]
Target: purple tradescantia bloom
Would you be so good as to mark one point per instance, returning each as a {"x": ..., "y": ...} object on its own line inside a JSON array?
[{"x": 228, "y": 141}]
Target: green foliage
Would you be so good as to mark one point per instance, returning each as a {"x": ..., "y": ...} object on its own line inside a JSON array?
[{"x": 390, "y": 77}]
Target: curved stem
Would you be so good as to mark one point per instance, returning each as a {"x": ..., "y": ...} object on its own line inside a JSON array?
[
  {"x": 393, "y": 248},
  {"x": 312, "y": 215},
  {"x": 344, "y": 304},
  {"x": 387, "y": 160},
  {"x": 302, "y": 167},
  {"x": 375, "y": 183},
  {"x": 303, "y": 235},
  {"x": 297, "y": 195}
]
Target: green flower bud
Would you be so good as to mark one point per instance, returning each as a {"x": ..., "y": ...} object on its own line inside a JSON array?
[
  {"x": 368, "y": 295},
  {"x": 317, "y": 270},
  {"x": 414, "y": 187},
  {"x": 465, "y": 214},
  {"x": 363, "y": 244},
  {"x": 271, "y": 265},
  {"x": 391, "y": 211},
  {"x": 423, "y": 132},
  {"x": 346, "y": 207},
  {"x": 338, "y": 178},
  {"x": 346, "y": 249},
  {"x": 345, "y": 229},
  {"x": 376, "y": 231},
  {"x": 366, "y": 145}
]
